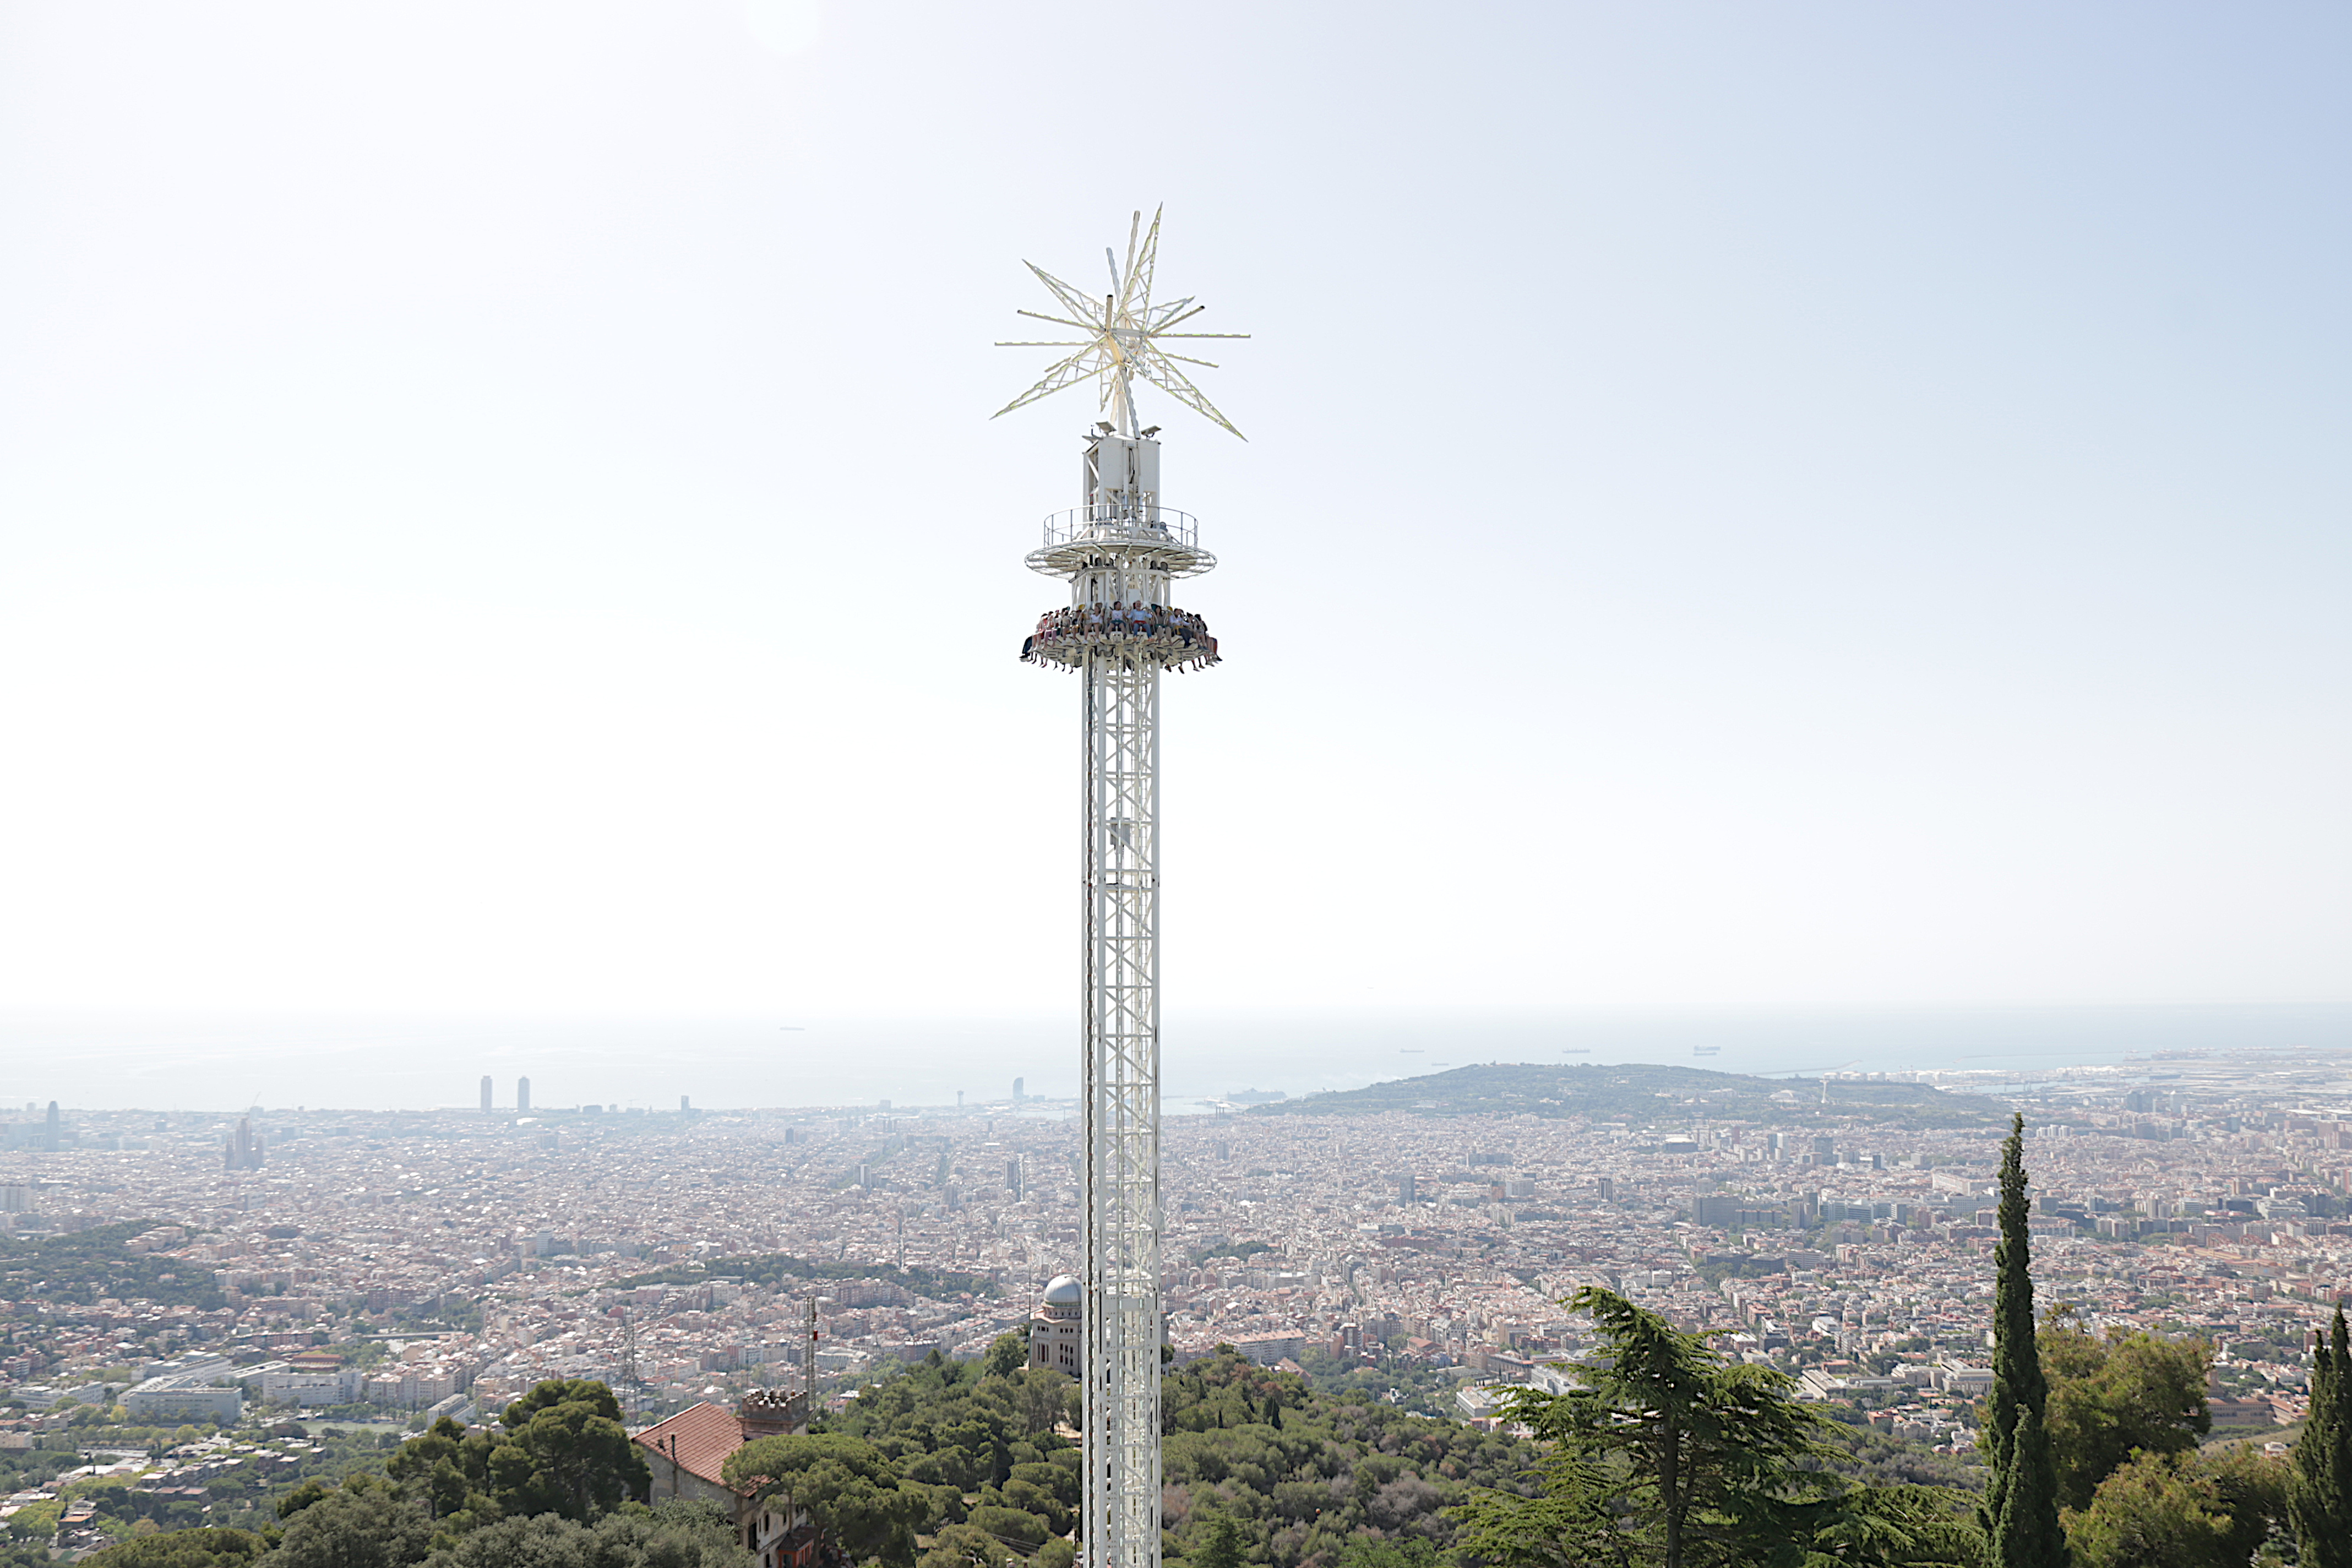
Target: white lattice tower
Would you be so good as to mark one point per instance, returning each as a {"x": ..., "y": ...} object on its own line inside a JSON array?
[
  {"x": 1120, "y": 552},
  {"x": 1119, "y": 555}
]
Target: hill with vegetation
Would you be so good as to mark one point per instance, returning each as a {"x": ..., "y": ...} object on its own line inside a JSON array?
[
  {"x": 1646, "y": 1094},
  {"x": 1256, "y": 1462}
]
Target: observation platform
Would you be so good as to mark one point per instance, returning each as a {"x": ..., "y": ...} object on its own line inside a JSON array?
[
  {"x": 1175, "y": 639},
  {"x": 1150, "y": 538}
]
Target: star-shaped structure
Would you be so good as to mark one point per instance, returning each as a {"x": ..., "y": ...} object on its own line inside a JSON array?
[{"x": 1124, "y": 331}]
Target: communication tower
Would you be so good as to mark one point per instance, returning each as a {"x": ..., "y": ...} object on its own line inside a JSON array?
[{"x": 1120, "y": 551}]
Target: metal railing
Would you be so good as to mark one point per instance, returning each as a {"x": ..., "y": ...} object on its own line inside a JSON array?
[{"x": 1122, "y": 525}]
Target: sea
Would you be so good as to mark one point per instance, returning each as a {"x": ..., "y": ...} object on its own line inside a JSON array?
[{"x": 217, "y": 1062}]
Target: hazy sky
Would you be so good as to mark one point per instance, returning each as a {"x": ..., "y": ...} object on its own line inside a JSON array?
[{"x": 1778, "y": 504}]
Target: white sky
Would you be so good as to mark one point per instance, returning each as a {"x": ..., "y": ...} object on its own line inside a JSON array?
[{"x": 1745, "y": 504}]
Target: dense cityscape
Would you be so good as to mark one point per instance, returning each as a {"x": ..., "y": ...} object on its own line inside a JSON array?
[{"x": 384, "y": 1267}]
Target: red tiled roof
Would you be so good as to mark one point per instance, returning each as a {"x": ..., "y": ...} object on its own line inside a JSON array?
[{"x": 699, "y": 1438}]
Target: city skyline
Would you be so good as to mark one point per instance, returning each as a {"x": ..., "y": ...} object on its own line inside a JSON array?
[{"x": 101, "y": 1061}]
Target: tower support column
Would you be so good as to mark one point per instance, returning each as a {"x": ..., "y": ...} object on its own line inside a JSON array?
[{"x": 1120, "y": 1180}]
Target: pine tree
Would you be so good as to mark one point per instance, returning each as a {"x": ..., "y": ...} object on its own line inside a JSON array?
[
  {"x": 2020, "y": 1509},
  {"x": 2319, "y": 1495}
]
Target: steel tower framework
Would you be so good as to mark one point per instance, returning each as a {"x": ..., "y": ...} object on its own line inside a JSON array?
[{"x": 1119, "y": 551}]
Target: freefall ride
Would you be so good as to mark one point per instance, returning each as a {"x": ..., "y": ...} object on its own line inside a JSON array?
[{"x": 1120, "y": 551}]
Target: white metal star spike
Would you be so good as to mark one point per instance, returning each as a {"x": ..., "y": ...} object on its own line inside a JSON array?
[{"x": 1124, "y": 332}]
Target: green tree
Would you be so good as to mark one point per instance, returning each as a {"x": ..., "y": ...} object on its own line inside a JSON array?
[
  {"x": 1569, "y": 1525},
  {"x": 847, "y": 1486},
  {"x": 1707, "y": 1444},
  {"x": 2021, "y": 1508},
  {"x": 677, "y": 1534},
  {"x": 1013, "y": 1526},
  {"x": 446, "y": 1468},
  {"x": 1410, "y": 1552},
  {"x": 965, "y": 1546},
  {"x": 1044, "y": 1395},
  {"x": 2252, "y": 1489},
  {"x": 2153, "y": 1512},
  {"x": 205, "y": 1548},
  {"x": 301, "y": 1497},
  {"x": 358, "y": 1527},
  {"x": 1670, "y": 1455},
  {"x": 2108, "y": 1397},
  {"x": 1885, "y": 1527},
  {"x": 1216, "y": 1543},
  {"x": 2319, "y": 1497},
  {"x": 1007, "y": 1353},
  {"x": 564, "y": 1450}
]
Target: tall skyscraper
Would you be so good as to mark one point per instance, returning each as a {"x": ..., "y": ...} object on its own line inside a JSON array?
[
  {"x": 523, "y": 1094},
  {"x": 53, "y": 1132},
  {"x": 1120, "y": 552},
  {"x": 244, "y": 1150},
  {"x": 486, "y": 1094}
]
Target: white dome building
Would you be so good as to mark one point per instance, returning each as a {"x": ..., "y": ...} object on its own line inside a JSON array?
[{"x": 1055, "y": 1326}]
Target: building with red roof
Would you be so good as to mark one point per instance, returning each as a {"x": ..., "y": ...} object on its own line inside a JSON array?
[{"x": 687, "y": 1455}]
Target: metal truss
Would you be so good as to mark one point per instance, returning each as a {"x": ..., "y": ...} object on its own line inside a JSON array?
[
  {"x": 1123, "y": 334},
  {"x": 1122, "y": 548},
  {"x": 1120, "y": 1185}
]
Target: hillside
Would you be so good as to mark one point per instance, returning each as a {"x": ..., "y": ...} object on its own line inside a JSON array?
[
  {"x": 1302, "y": 1475},
  {"x": 1643, "y": 1094}
]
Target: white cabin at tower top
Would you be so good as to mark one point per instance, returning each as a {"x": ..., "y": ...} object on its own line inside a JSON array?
[{"x": 1121, "y": 476}]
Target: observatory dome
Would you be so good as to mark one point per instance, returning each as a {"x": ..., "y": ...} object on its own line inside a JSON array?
[{"x": 1064, "y": 1291}]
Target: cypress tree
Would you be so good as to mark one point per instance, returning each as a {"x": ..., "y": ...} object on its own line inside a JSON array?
[
  {"x": 2020, "y": 1509},
  {"x": 2319, "y": 1491},
  {"x": 2026, "y": 1532}
]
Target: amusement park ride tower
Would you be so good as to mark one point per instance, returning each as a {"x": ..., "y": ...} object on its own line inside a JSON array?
[{"x": 1120, "y": 552}]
